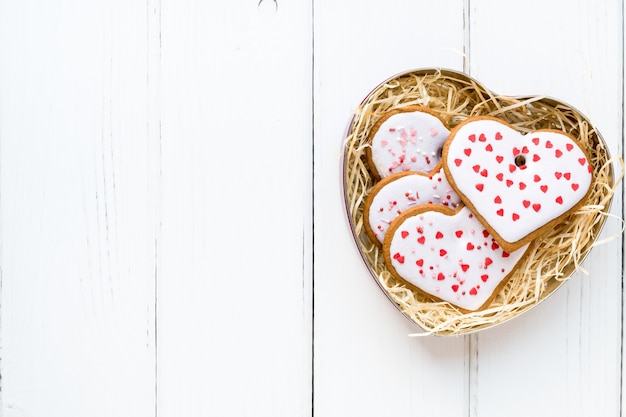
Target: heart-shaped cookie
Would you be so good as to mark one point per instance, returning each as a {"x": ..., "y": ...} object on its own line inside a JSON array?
[
  {"x": 401, "y": 191},
  {"x": 406, "y": 139},
  {"x": 449, "y": 255},
  {"x": 518, "y": 185}
]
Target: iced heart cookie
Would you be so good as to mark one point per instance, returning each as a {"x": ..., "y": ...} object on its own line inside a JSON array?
[
  {"x": 517, "y": 185},
  {"x": 449, "y": 255},
  {"x": 406, "y": 139},
  {"x": 401, "y": 191}
]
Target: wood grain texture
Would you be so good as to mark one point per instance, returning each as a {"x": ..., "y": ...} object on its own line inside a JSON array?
[
  {"x": 172, "y": 231},
  {"x": 233, "y": 305},
  {"x": 77, "y": 211},
  {"x": 365, "y": 364},
  {"x": 566, "y": 354}
]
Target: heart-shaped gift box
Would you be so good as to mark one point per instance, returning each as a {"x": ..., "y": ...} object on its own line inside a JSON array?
[{"x": 552, "y": 257}]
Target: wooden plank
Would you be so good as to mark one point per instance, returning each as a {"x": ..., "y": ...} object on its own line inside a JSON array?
[
  {"x": 76, "y": 210},
  {"x": 563, "y": 357},
  {"x": 364, "y": 362},
  {"x": 234, "y": 298}
]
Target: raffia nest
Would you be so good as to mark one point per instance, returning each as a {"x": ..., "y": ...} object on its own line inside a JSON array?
[{"x": 553, "y": 257}]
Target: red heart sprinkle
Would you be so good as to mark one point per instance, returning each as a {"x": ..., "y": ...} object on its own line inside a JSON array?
[
  {"x": 537, "y": 207},
  {"x": 421, "y": 240},
  {"x": 457, "y": 162},
  {"x": 476, "y": 168},
  {"x": 470, "y": 246},
  {"x": 498, "y": 136},
  {"x": 522, "y": 185},
  {"x": 455, "y": 288},
  {"x": 500, "y": 176},
  {"x": 582, "y": 161},
  {"x": 567, "y": 176},
  {"x": 464, "y": 267},
  {"x": 459, "y": 233},
  {"x": 515, "y": 217},
  {"x": 480, "y": 187},
  {"x": 526, "y": 203},
  {"x": 473, "y": 291},
  {"x": 441, "y": 277},
  {"x": 558, "y": 153},
  {"x": 537, "y": 178},
  {"x": 399, "y": 257},
  {"x": 419, "y": 262},
  {"x": 467, "y": 151},
  {"x": 575, "y": 186},
  {"x": 512, "y": 167},
  {"x": 509, "y": 183},
  {"x": 499, "y": 158},
  {"x": 535, "y": 141},
  {"x": 525, "y": 149},
  {"x": 548, "y": 144},
  {"x": 482, "y": 137},
  {"x": 558, "y": 175},
  {"x": 536, "y": 158},
  {"x": 488, "y": 261},
  {"x": 505, "y": 254},
  {"x": 544, "y": 188},
  {"x": 484, "y": 277},
  {"x": 442, "y": 252},
  {"x": 485, "y": 234},
  {"x": 439, "y": 235},
  {"x": 472, "y": 138},
  {"x": 569, "y": 146},
  {"x": 494, "y": 245},
  {"x": 404, "y": 234},
  {"x": 484, "y": 173},
  {"x": 489, "y": 148},
  {"x": 500, "y": 212},
  {"x": 497, "y": 200},
  {"x": 515, "y": 151}
]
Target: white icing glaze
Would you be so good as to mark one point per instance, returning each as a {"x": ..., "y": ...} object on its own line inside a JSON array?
[
  {"x": 450, "y": 256},
  {"x": 516, "y": 200},
  {"x": 402, "y": 192},
  {"x": 408, "y": 141}
]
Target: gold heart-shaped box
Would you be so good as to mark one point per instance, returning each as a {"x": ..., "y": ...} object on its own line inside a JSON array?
[{"x": 455, "y": 96}]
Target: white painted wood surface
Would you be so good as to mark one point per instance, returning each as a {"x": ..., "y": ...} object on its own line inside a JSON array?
[{"x": 159, "y": 259}]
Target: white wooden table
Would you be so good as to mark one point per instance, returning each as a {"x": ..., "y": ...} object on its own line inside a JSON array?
[{"x": 172, "y": 236}]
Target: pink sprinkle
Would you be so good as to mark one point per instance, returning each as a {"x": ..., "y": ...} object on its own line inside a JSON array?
[
  {"x": 384, "y": 143},
  {"x": 433, "y": 132}
]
